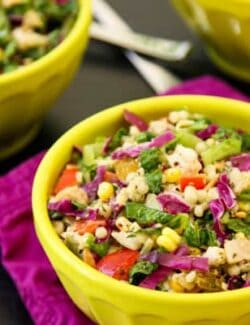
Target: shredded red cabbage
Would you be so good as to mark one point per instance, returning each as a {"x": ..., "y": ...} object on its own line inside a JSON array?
[
  {"x": 173, "y": 203},
  {"x": 135, "y": 120},
  {"x": 235, "y": 282},
  {"x": 15, "y": 19},
  {"x": 207, "y": 132},
  {"x": 66, "y": 208},
  {"x": 246, "y": 284},
  {"x": 217, "y": 209},
  {"x": 226, "y": 194},
  {"x": 182, "y": 250},
  {"x": 61, "y": 2},
  {"x": 92, "y": 187},
  {"x": 116, "y": 210},
  {"x": 162, "y": 139},
  {"x": 106, "y": 144},
  {"x": 151, "y": 256},
  {"x": 131, "y": 152},
  {"x": 77, "y": 149},
  {"x": 187, "y": 263},
  {"x": 152, "y": 280},
  {"x": 91, "y": 214},
  {"x": 134, "y": 152},
  {"x": 241, "y": 161}
]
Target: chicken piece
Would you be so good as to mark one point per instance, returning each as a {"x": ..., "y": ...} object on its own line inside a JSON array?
[{"x": 237, "y": 250}]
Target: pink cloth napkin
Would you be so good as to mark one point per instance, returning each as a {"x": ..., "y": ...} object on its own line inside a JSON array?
[{"x": 22, "y": 255}]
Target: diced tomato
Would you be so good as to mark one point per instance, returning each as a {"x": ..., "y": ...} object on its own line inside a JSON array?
[
  {"x": 198, "y": 181},
  {"x": 83, "y": 226},
  {"x": 118, "y": 264},
  {"x": 67, "y": 178},
  {"x": 110, "y": 177}
]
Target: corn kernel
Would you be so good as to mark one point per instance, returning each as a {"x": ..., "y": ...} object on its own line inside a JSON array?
[
  {"x": 105, "y": 191},
  {"x": 171, "y": 175},
  {"x": 169, "y": 239},
  {"x": 167, "y": 243},
  {"x": 175, "y": 286},
  {"x": 241, "y": 214},
  {"x": 194, "y": 251},
  {"x": 172, "y": 234}
]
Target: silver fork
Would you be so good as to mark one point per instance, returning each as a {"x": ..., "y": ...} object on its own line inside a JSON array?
[
  {"x": 158, "y": 78},
  {"x": 164, "y": 49}
]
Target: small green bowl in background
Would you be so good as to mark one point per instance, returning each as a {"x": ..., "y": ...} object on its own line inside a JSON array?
[
  {"x": 28, "y": 93},
  {"x": 224, "y": 26}
]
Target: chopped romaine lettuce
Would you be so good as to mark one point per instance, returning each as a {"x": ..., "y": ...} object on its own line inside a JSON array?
[
  {"x": 147, "y": 216},
  {"x": 187, "y": 139},
  {"x": 116, "y": 140},
  {"x": 244, "y": 195},
  {"x": 100, "y": 249},
  {"x": 197, "y": 237},
  {"x": 140, "y": 270},
  {"x": 154, "y": 180},
  {"x": 199, "y": 125},
  {"x": 221, "y": 150},
  {"x": 144, "y": 137},
  {"x": 150, "y": 159},
  {"x": 238, "y": 225},
  {"x": 245, "y": 142}
]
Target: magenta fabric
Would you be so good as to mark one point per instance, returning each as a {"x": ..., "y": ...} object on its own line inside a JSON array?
[
  {"x": 22, "y": 255},
  {"x": 207, "y": 85}
]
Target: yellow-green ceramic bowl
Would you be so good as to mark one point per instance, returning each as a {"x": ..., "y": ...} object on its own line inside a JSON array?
[
  {"x": 224, "y": 25},
  {"x": 27, "y": 94},
  {"x": 108, "y": 301}
]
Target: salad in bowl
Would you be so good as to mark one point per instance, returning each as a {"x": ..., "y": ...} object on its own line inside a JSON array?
[
  {"x": 31, "y": 29},
  {"x": 162, "y": 204}
]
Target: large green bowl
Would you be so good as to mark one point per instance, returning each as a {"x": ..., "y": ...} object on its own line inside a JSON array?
[
  {"x": 28, "y": 93},
  {"x": 104, "y": 299}
]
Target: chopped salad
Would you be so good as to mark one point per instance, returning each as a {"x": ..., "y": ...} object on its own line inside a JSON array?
[
  {"x": 29, "y": 29},
  {"x": 163, "y": 205}
]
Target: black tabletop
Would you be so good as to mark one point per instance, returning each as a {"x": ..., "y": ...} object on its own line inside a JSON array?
[{"x": 105, "y": 79}]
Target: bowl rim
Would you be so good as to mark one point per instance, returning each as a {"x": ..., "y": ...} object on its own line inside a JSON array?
[
  {"x": 80, "y": 26},
  {"x": 72, "y": 264}
]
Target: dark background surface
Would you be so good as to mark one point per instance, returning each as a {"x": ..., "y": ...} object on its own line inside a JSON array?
[{"x": 105, "y": 79}]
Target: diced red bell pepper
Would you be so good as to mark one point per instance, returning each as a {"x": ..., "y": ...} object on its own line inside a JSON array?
[
  {"x": 67, "y": 178},
  {"x": 110, "y": 177},
  {"x": 198, "y": 181},
  {"x": 118, "y": 264},
  {"x": 83, "y": 226}
]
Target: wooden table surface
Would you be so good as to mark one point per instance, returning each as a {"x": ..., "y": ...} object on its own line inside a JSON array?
[{"x": 105, "y": 79}]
